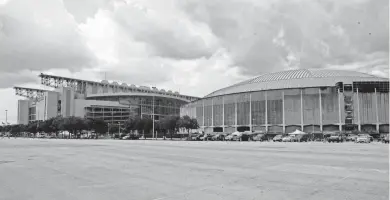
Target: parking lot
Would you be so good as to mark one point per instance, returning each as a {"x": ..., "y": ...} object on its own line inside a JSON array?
[{"x": 47, "y": 169}]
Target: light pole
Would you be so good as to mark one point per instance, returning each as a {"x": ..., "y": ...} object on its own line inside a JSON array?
[
  {"x": 108, "y": 129},
  {"x": 6, "y": 117},
  {"x": 119, "y": 130},
  {"x": 153, "y": 116}
]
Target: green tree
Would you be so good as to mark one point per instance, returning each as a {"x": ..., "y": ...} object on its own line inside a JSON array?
[
  {"x": 32, "y": 127},
  {"x": 139, "y": 125},
  {"x": 130, "y": 124},
  {"x": 170, "y": 124},
  {"x": 147, "y": 124},
  {"x": 74, "y": 125},
  {"x": 193, "y": 124},
  {"x": 99, "y": 126}
]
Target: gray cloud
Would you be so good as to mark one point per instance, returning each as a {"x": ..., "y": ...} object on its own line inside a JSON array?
[
  {"x": 81, "y": 10},
  {"x": 40, "y": 35},
  {"x": 316, "y": 33},
  {"x": 166, "y": 36},
  {"x": 13, "y": 79}
]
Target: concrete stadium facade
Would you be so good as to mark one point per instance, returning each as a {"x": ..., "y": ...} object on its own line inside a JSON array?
[
  {"x": 112, "y": 102},
  {"x": 305, "y": 99}
]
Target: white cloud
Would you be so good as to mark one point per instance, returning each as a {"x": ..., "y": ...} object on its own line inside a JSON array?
[{"x": 191, "y": 46}]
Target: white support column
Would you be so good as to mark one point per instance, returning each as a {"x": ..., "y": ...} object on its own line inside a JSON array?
[
  {"x": 223, "y": 114},
  {"x": 203, "y": 115},
  {"x": 340, "y": 126},
  {"x": 320, "y": 102},
  {"x": 250, "y": 111},
  {"x": 377, "y": 111},
  {"x": 358, "y": 110},
  {"x": 212, "y": 112},
  {"x": 301, "y": 109},
  {"x": 235, "y": 110},
  {"x": 284, "y": 118},
  {"x": 266, "y": 112}
]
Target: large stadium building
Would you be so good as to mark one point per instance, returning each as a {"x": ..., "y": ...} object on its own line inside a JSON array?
[
  {"x": 305, "y": 99},
  {"x": 112, "y": 102}
]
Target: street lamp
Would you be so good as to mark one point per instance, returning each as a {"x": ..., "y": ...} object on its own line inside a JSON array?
[
  {"x": 153, "y": 117},
  {"x": 119, "y": 130},
  {"x": 108, "y": 129}
]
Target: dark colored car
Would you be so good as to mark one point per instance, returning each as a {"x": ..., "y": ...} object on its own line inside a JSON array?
[
  {"x": 218, "y": 137},
  {"x": 241, "y": 137},
  {"x": 335, "y": 138},
  {"x": 303, "y": 138},
  {"x": 130, "y": 137}
]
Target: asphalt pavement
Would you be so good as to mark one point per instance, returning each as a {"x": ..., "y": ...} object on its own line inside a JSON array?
[{"x": 53, "y": 169}]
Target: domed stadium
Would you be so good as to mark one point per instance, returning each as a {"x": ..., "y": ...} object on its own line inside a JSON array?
[{"x": 309, "y": 100}]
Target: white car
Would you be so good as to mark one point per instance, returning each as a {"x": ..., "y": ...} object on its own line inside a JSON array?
[
  {"x": 363, "y": 139},
  {"x": 229, "y": 137},
  {"x": 288, "y": 139}
]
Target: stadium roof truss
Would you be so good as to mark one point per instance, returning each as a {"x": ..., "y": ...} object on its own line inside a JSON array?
[
  {"x": 30, "y": 93},
  {"x": 81, "y": 85}
]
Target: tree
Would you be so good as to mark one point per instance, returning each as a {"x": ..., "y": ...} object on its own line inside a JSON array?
[
  {"x": 130, "y": 124},
  {"x": 169, "y": 124},
  {"x": 32, "y": 127},
  {"x": 139, "y": 125},
  {"x": 187, "y": 123},
  {"x": 99, "y": 126},
  {"x": 74, "y": 125},
  {"x": 147, "y": 124},
  {"x": 194, "y": 123}
]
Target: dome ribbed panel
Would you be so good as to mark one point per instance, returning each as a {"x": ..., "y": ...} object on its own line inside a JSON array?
[{"x": 299, "y": 78}]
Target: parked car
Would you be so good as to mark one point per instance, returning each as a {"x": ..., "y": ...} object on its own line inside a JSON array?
[
  {"x": 367, "y": 135},
  {"x": 259, "y": 137},
  {"x": 196, "y": 136},
  {"x": 130, "y": 137},
  {"x": 363, "y": 139},
  {"x": 237, "y": 136},
  {"x": 229, "y": 137},
  {"x": 335, "y": 138},
  {"x": 244, "y": 137},
  {"x": 278, "y": 138},
  {"x": 351, "y": 137},
  {"x": 302, "y": 138},
  {"x": 206, "y": 136},
  {"x": 218, "y": 137},
  {"x": 289, "y": 138},
  {"x": 385, "y": 138},
  {"x": 126, "y": 137}
]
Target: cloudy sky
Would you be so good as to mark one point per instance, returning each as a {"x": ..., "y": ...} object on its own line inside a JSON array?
[{"x": 192, "y": 46}]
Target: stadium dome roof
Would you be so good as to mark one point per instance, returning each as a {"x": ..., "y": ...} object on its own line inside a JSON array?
[{"x": 300, "y": 78}]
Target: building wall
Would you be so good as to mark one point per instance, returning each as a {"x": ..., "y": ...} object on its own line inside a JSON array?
[
  {"x": 81, "y": 104},
  {"x": 39, "y": 109},
  {"x": 51, "y": 104},
  {"x": 23, "y": 106},
  {"x": 307, "y": 109},
  {"x": 67, "y": 102}
]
